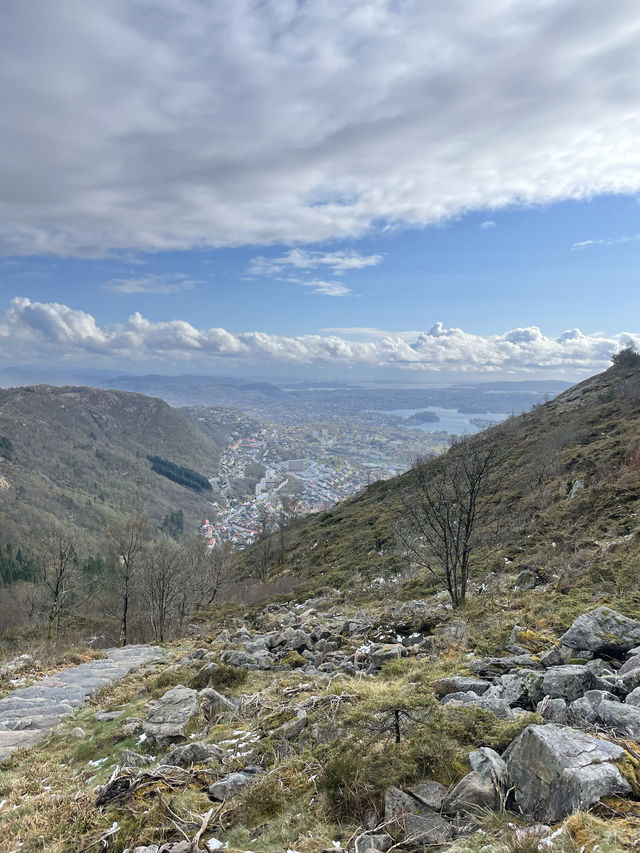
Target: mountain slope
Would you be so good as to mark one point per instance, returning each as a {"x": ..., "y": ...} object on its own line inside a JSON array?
[
  {"x": 375, "y": 710},
  {"x": 80, "y": 455},
  {"x": 571, "y": 492}
]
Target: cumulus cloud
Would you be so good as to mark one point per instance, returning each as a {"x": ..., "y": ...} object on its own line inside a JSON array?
[
  {"x": 152, "y": 284},
  {"x": 61, "y": 332},
  {"x": 488, "y": 223},
  {"x": 162, "y": 125}
]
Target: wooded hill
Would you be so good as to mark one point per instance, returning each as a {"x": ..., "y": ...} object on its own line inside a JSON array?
[{"x": 80, "y": 456}]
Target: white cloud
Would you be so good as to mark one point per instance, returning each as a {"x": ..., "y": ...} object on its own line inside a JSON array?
[
  {"x": 32, "y": 329},
  {"x": 367, "y": 332},
  {"x": 607, "y": 241},
  {"x": 305, "y": 261},
  {"x": 299, "y": 259},
  {"x": 152, "y": 283},
  {"x": 488, "y": 223},
  {"x": 163, "y": 125},
  {"x": 327, "y": 288}
]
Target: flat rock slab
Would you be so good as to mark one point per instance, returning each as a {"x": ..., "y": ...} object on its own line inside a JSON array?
[{"x": 28, "y": 713}]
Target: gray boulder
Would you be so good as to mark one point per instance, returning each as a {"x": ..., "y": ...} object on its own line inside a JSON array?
[
  {"x": 556, "y": 656},
  {"x": 298, "y": 641},
  {"x": 426, "y": 829},
  {"x": 421, "y": 824},
  {"x": 256, "y": 660},
  {"x": 495, "y": 704},
  {"x": 213, "y": 703},
  {"x": 228, "y": 787},
  {"x": 398, "y": 802},
  {"x": 292, "y": 728},
  {"x": 624, "y": 719},
  {"x": 274, "y": 640},
  {"x": 191, "y": 753},
  {"x": 629, "y": 681},
  {"x": 583, "y": 713},
  {"x": 596, "y": 696},
  {"x": 381, "y": 654},
  {"x": 526, "y": 580},
  {"x": 603, "y": 631},
  {"x": 567, "y": 682},
  {"x": 474, "y": 792},
  {"x": 379, "y": 842},
  {"x": 460, "y": 684},
  {"x": 630, "y": 664},
  {"x": 172, "y": 715},
  {"x": 557, "y": 771},
  {"x": 430, "y": 793},
  {"x": 494, "y": 667},
  {"x": 129, "y": 758},
  {"x": 633, "y": 698},
  {"x": 487, "y": 762},
  {"x": 523, "y": 688},
  {"x": 553, "y": 711}
]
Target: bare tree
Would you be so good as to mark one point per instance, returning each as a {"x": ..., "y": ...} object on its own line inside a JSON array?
[
  {"x": 162, "y": 575},
  {"x": 450, "y": 510},
  {"x": 58, "y": 567},
  {"x": 217, "y": 570},
  {"x": 263, "y": 549},
  {"x": 127, "y": 540},
  {"x": 263, "y": 553},
  {"x": 206, "y": 572},
  {"x": 287, "y": 515}
]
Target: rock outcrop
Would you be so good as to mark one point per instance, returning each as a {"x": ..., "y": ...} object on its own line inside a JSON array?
[{"x": 603, "y": 631}]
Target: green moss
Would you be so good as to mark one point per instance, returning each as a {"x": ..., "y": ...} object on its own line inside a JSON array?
[
  {"x": 629, "y": 766},
  {"x": 222, "y": 677},
  {"x": 294, "y": 660}
]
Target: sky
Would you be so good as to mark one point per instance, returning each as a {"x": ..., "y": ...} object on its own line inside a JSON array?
[{"x": 344, "y": 188}]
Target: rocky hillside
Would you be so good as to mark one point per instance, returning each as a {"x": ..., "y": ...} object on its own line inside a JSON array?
[
  {"x": 318, "y": 728},
  {"x": 80, "y": 455},
  {"x": 570, "y": 474},
  {"x": 365, "y": 713}
]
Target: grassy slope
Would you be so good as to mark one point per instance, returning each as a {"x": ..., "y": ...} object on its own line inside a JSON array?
[
  {"x": 81, "y": 453},
  {"x": 590, "y": 432}
]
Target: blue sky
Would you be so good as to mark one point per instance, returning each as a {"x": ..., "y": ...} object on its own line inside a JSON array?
[
  {"x": 485, "y": 278},
  {"x": 199, "y": 186}
]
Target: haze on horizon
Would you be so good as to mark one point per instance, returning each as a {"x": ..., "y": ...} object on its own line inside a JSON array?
[{"x": 367, "y": 188}]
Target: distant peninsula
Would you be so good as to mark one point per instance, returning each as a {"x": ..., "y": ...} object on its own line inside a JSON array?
[{"x": 423, "y": 418}]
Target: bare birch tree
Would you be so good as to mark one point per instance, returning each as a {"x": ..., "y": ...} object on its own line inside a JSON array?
[
  {"x": 58, "y": 566},
  {"x": 161, "y": 579},
  {"x": 450, "y": 510},
  {"x": 127, "y": 540}
]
